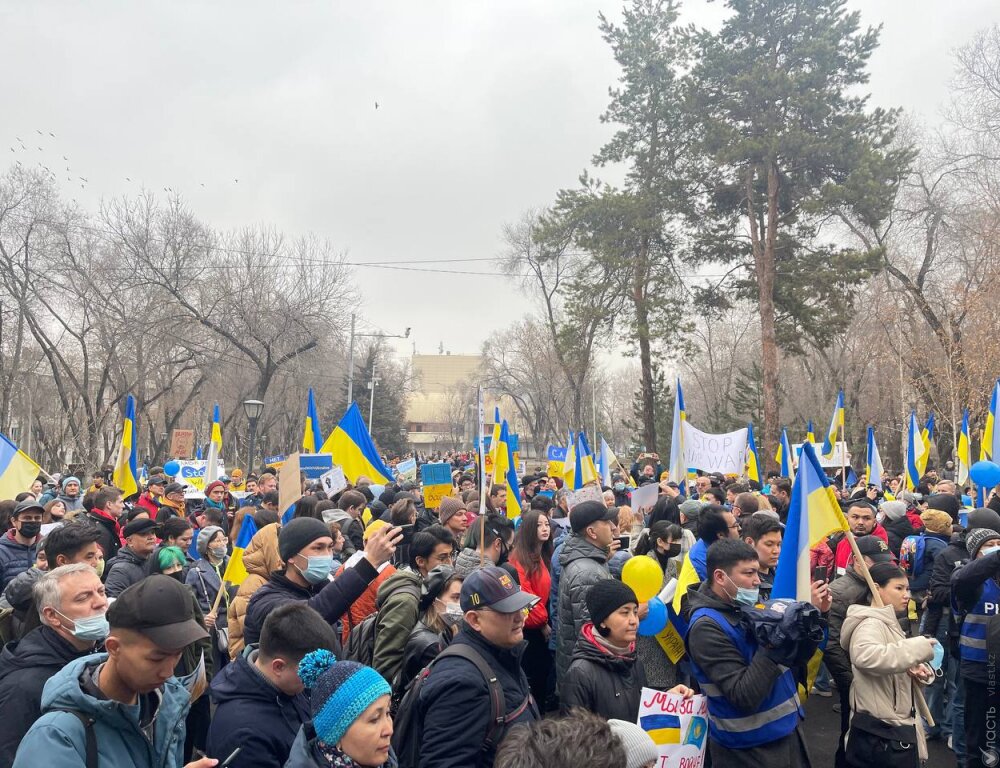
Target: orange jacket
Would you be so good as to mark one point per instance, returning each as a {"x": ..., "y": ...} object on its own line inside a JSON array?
[{"x": 365, "y": 605}]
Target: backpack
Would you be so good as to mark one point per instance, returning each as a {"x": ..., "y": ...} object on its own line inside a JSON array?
[
  {"x": 916, "y": 558},
  {"x": 90, "y": 745},
  {"x": 360, "y": 646},
  {"x": 408, "y": 724}
]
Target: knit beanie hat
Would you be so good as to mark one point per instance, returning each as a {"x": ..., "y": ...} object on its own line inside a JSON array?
[
  {"x": 299, "y": 534},
  {"x": 947, "y": 503},
  {"x": 984, "y": 517},
  {"x": 69, "y": 479},
  {"x": 640, "y": 749},
  {"x": 341, "y": 692},
  {"x": 450, "y": 506},
  {"x": 205, "y": 535},
  {"x": 893, "y": 510},
  {"x": 691, "y": 508},
  {"x": 975, "y": 539},
  {"x": 936, "y": 520},
  {"x": 606, "y": 597},
  {"x": 213, "y": 485}
]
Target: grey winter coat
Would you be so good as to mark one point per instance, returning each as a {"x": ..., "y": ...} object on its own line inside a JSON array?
[{"x": 583, "y": 565}]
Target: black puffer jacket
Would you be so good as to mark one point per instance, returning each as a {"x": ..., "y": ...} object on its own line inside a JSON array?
[
  {"x": 25, "y": 667},
  {"x": 583, "y": 565},
  {"x": 126, "y": 569},
  {"x": 897, "y": 530},
  {"x": 602, "y": 682},
  {"x": 422, "y": 647}
]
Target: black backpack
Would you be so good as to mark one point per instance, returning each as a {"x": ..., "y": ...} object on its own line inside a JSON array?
[
  {"x": 408, "y": 723},
  {"x": 360, "y": 646}
]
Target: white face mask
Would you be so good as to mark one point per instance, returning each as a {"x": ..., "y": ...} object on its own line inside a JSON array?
[{"x": 452, "y": 613}]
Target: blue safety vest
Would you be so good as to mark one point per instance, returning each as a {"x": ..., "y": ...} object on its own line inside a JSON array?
[
  {"x": 972, "y": 642},
  {"x": 776, "y": 717}
]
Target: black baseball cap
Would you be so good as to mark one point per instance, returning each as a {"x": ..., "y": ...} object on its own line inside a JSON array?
[
  {"x": 875, "y": 548},
  {"x": 173, "y": 488},
  {"x": 589, "y": 512},
  {"x": 156, "y": 480},
  {"x": 159, "y": 608},
  {"x": 493, "y": 588},
  {"x": 140, "y": 525}
]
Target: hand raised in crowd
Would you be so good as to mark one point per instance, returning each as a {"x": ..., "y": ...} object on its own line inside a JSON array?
[
  {"x": 382, "y": 545},
  {"x": 821, "y": 596},
  {"x": 682, "y": 690},
  {"x": 615, "y": 545},
  {"x": 205, "y": 762}
]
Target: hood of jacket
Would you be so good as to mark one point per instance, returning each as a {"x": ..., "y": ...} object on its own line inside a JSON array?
[
  {"x": 858, "y": 613},
  {"x": 468, "y": 560},
  {"x": 578, "y": 548},
  {"x": 589, "y": 649},
  {"x": 261, "y": 556},
  {"x": 64, "y": 691},
  {"x": 394, "y": 582},
  {"x": 9, "y": 542},
  {"x": 41, "y": 647},
  {"x": 901, "y": 527}
]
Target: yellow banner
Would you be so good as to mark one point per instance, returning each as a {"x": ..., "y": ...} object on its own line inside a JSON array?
[{"x": 434, "y": 493}]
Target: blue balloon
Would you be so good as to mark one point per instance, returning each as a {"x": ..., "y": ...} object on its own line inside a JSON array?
[
  {"x": 172, "y": 468},
  {"x": 655, "y": 620},
  {"x": 985, "y": 473}
]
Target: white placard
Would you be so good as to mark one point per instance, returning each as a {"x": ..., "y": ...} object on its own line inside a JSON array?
[
  {"x": 333, "y": 481},
  {"x": 678, "y": 727},
  {"x": 714, "y": 453},
  {"x": 644, "y": 497}
]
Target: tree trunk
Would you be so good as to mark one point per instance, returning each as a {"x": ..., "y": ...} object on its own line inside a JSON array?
[
  {"x": 645, "y": 353},
  {"x": 763, "y": 244}
]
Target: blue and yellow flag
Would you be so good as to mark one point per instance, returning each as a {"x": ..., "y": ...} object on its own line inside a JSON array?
[
  {"x": 810, "y": 433},
  {"x": 678, "y": 469},
  {"x": 926, "y": 435},
  {"x": 836, "y": 425},
  {"x": 990, "y": 448},
  {"x": 662, "y": 729},
  {"x": 753, "y": 463},
  {"x": 914, "y": 452},
  {"x": 570, "y": 464},
  {"x": 964, "y": 457},
  {"x": 505, "y": 473},
  {"x": 216, "y": 431},
  {"x": 813, "y": 514},
  {"x": 236, "y": 572},
  {"x": 352, "y": 448},
  {"x": 494, "y": 441},
  {"x": 588, "y": 470},
  {"x": 312, "y": 437},
  {"x": 17, "y": 470},
  {"x": 784, "y": 456},
  {"x": 873, "y": 462},
  {"x": 126, "y": 474}
]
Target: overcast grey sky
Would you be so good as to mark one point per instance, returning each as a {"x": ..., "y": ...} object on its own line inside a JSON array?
[{"x": 485, "y": 109}]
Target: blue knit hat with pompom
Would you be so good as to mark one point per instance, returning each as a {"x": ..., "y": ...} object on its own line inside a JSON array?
[{"x": 341, "y": 692}]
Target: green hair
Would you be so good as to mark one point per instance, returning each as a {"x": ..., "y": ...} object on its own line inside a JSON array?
[{"x": 170, "y": 556}]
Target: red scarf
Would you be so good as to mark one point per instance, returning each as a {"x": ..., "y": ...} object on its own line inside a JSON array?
[{"x": 106, "y": 516}]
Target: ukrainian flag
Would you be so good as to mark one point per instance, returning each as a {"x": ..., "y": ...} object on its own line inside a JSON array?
[
  {"x": 17, "y": 470},
  {"x": 914, "y": 451},
  {"x": 678, "y": 470},
  {"x": 312, "y": 437},
  {"x": 753, "y": 463},
  {"x": 836, "y": 423},
  {"x": 353, "y": 450},
  {"x": 236, "y": 572},
  {"x": 926, "y": 435},
  {"x": 589, "y": 473},
  {"x": 662, "y": 729},
  {"x": 964, "y": 462},
  {"x": 496, "y": 439},
  {"x": 873, "y": 465},
  {"x": 570, "y": 464},
  {"x": 687, "y": 576},
  {"x": 216, "y": 431},
  {"x": 810, "y": 433},
  {"x": 126, "y": 474},
  {"x": 505, "y": 473},
  {"x": 991, "y": 435},
  {"x": 813, "y": 514},
  {"x": 784, "y": 456}
]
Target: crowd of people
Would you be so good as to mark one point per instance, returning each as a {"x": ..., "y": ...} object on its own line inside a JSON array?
[{"x": 371, "y": 630}]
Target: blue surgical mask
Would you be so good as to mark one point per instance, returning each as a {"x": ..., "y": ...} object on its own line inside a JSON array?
[
  {"x": 92, "y": 629},
  {"x": 619, "y": 487},
  {"x": 938, "y": 658},
  {"x": 989, "y": 550},
  {"x": 745, "y": 595},
  {"x": 318, "y": 569}
]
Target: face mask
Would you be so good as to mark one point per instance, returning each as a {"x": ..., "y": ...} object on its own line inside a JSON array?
[
  {"x": 619, "y": 487},
  {"x": 318, "y": 569},
  {"x": 938, "y": 658},
  {"x": 92, "y": 629},
  {"x": 986, "y": 550},
  {"x": 30, "y": 530},
  {"x": 218, "y": 553},
  {"x": 673, "y": 550},
  {"x": 452, "y": 614},
  {"x": 179, "y": 575},
  {"x": 100, "y": 568},
  {"x": 744, "y": 595}
]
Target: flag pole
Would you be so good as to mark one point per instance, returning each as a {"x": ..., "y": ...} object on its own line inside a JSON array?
[{"x": 843, "y": 457}]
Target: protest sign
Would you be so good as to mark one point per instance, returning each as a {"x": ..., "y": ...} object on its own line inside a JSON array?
[
  {"x": 436, "y": 479},
  {"x": 407, "y": 469},
  {"x": 275, "y": 462},
  {"x": 313, "y": 465},
  {"x": 182, "y": 443},
  {"x": 587, "y": 493},
  {"x": 644, "y": 498},
  {"x": 333, "y": 481},
  {"x": 841, "y": 456},
  {"x": 714, "y": 453},
  {"x": 192, "y": 474},
  {"x": 678, "y": 727},
  {"x": 555, "y": 455},
  {"x": 289, "y": 485}
]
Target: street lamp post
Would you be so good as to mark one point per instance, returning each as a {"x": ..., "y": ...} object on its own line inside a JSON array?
[
  {"x": 371, "y": 404},
  {"x": 350, "y": 361},
  {"x": 253, "y": 409}
]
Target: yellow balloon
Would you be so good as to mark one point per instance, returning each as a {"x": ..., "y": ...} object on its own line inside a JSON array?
[{"x": 643, "y": 576}]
